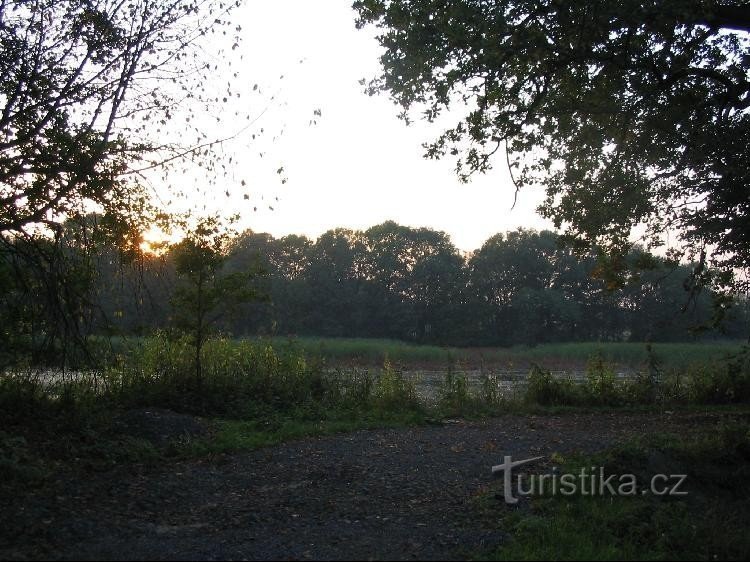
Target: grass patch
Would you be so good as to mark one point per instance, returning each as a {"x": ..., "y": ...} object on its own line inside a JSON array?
[
  {"x": 241, "y": 435},
  {"x": 626, "y": 354},
  {"x": 363, "y": 351},
  {"x": 709, "y": 523}
]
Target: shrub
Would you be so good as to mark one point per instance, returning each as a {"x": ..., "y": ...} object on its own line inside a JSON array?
[
  {"x": 601, "y": 386},
  {"x": 718, "y": 385},
  {"x": 642, "y": 389},
  {"x": 490, "y": 394},
  {"x": 235, "y": 374},
  {"x": 393, "y": 391},
  {"x": 545, "y": 390},
  {"x": 352, "y": 389},
  {"x": 453, "y": 392}
]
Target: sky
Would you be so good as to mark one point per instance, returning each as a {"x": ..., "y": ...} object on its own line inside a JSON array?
[{"x": 359, "y": 165}]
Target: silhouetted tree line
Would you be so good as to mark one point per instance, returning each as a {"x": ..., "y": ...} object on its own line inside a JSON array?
[{"x": 393, "y": 281}]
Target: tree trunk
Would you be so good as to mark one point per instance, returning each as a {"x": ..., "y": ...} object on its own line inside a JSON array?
[
  {"x": 198, "y": 367},
  {"x": 199, "y": 336}
]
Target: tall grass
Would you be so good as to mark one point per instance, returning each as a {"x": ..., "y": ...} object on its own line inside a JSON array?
[
  {"x": 543, "y": 389},
  {"x": 368, "y": 351},
  {"x": 624, "y": 354},
  {"x": 726, "y": 382},
  {"x": 239, "y": 379},
  {"x": 255, "y": 379},
  {"x": 374, "y": 352}
]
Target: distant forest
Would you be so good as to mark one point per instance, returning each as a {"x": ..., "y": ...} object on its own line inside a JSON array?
[{"x": 393, "y": 281}]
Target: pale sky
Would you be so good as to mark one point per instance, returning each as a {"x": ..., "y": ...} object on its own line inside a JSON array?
[{"x": 360, "y": 165}]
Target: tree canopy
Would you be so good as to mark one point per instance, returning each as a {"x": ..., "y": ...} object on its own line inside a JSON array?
[
  {"x": 85, "y": 87},
  {"x": 628, "y": 112},
  {"x": 204, "y": 293},
  {"x": 87, "y": 91},
  {"x": 395, "y": 281}
]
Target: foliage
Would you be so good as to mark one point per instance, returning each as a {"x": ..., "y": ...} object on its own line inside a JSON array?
[
  {"x": 394, "y": 391},
  {"x": 40, "y": 398},
  {"x": 255, "y": 380},
  {"x": 601, "y": 384},
  {"x": 399, "y": 283},
  {"x": 544, "y": 389},
  {"x": 454, "y": 394},
  {"x": 723, "y": 382},
  {"x": 631, "y": 355},
  {"x": 260, "y": 394},
  {"x": 368, "y": 351},
  {"x": 644, "y": 389},
  {"x": 84, "y": 86},
  {"x": 237, "y": 378},
  {"x": 491, "y": 395},
  {"x": 250, "y": 380},
  {"x": 628, "y": 112},
  {"x": 720, "y": 384},
  {"x": 204, "y": 292}
]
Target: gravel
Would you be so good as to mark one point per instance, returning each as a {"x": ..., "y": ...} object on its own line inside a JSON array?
[{"x": 383, "y": 494}]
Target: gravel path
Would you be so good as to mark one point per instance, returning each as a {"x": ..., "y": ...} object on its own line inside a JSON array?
[{"x": 386, "y": 494}]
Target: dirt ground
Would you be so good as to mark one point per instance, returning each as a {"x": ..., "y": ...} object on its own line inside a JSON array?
[{"x": 383, "y": 494}]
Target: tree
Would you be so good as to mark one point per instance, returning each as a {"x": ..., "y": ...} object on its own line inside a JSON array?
[
  {"x": 414, "y": 275},
  {"x": 85, "y": 85},
  {"x": 289, "y": 286},
  {"x": 505, "y": 266},
  {"x": 435, "y": 286},
  {"x": 204, "y": 293},
  {"x": 254, "y": 251},
  {"x": 628, "y": 111},
  {"x": 333, "y": 282},
  {"x": 521, "y": 287},
  {"x": 49, "y": 303}
]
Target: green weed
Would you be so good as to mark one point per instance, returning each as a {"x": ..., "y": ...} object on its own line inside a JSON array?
[{"x": 709, "y": 523}]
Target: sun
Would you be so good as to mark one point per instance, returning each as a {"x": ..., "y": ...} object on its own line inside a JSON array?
[{"x": 156, "y": 242}]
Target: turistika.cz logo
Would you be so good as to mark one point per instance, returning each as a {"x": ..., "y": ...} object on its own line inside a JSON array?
[{"x": 589, "y": 481}]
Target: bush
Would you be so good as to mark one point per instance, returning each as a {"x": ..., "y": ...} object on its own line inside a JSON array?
[
  {"x": 642, "y": 389},
  {"x": 21, "y": 397},
  {"x": 246, "y": 378},
  {"x": 718, "y": 383},
  {"x": 490, "y": 394},
  {"x": 393, "y": 391},
  {"x": 601, "y": 386},
  {"x": 34, "y": 398},
  {"x": 254, "y": 380},
  {"x": 545, "y": 390},
  {"x": 352, "y": 390},
  {"x": 453, "y": 393}
]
